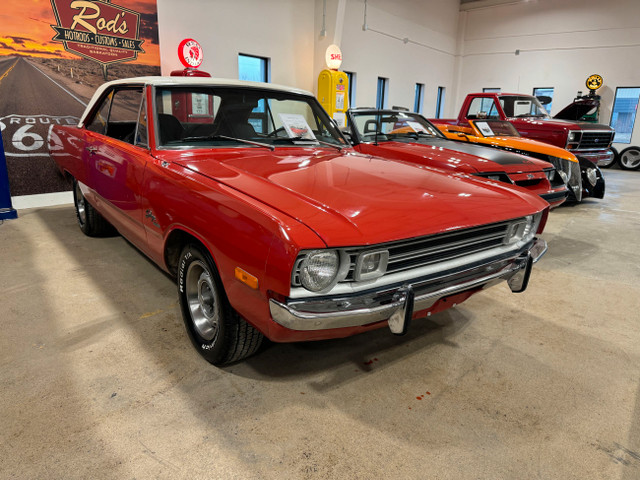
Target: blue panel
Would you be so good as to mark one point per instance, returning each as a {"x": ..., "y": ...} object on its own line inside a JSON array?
[{"x": 6, "y": 210}]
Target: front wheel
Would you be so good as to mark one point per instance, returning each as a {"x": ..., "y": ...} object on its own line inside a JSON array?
[
  {"x": 630, "y": 158},
  {"x": 216, "y": 330}
]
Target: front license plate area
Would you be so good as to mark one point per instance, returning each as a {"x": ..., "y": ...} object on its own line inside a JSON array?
[{"x": 401, "y": 318}]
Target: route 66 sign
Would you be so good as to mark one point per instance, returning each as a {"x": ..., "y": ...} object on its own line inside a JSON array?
[{"x": 594, "y": 82}]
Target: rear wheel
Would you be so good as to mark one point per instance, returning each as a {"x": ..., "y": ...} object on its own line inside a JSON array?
[
  {"x": 630, "y": 158},
  {"x": 216, "y": 330},
  {"x": 90, "y": 221},
  {"x": 610, "y": 163}
]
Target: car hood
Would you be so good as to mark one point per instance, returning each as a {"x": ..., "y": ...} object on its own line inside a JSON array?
[
  {"x": 352, "y": 199},
  {"x": 458, "y": 156},
  {"x": 525, "y": 145},
  {"x": 549, "y": 124}
]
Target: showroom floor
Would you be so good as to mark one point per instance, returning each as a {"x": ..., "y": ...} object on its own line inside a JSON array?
[{"x": 99, "y": 380}]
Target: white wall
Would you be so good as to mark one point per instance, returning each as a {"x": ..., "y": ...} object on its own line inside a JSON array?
[
  {"x": 428, "y": 57},
  {"x": 561, "y": 43},
  {"x": 282, "y": 30},
  {"x": 288, "y": 32}
]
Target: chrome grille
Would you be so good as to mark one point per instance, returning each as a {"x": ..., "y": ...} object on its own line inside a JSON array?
[
  {"x": 596, "y": 140},
  {"x": 423, "y": 251}
]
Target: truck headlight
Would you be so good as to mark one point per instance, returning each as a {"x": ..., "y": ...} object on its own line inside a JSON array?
[
  {"x": 573, "y": 139},
  {"x": 319, "y": 269}
]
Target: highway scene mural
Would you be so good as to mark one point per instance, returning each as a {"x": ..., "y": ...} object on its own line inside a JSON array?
[{"x": 53, "y": 56}]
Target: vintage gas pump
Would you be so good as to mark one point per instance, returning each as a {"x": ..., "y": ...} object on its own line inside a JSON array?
[
  {"x": 333, "y": 87},
  {"x": 192, "y": 107}
]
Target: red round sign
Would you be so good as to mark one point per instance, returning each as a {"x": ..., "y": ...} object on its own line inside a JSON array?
[{"x": 190, "y": 53}]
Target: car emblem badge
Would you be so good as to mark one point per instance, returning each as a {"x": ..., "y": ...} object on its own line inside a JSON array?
[{"x": 530, "y": 176}]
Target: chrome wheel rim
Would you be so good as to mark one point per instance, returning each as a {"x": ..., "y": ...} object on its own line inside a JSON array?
[
  {"x": 630, "y": 159},
  {"x": 80, "y": 205},
  {"x": 203, "y": 300}
]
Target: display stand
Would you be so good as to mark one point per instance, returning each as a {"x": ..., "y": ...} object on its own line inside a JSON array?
[{"x": 6, "y": 209}]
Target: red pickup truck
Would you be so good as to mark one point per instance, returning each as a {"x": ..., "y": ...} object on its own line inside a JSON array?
[{"x": 587, "y": 141}]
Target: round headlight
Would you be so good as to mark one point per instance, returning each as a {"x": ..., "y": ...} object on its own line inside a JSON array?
[
  {"x": 319, "y": 269},
  {"x": 592, "y": 175},
  {"x": 564, "y": 176}
]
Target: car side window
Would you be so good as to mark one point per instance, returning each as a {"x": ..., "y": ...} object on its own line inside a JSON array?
[
  {"x": 118, "y": 114},
  {"x": 481, "y": 107},
  {"x": 141, "y": 138},
  {"x": 99, "y": 122}
]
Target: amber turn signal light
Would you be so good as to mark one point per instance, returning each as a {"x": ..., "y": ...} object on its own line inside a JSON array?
[{"x": 246, "y": 278}]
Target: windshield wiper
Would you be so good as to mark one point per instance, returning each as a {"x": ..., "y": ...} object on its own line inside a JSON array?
[
  {"x": 225, "y": 137},
  {"x": 415, "y": 135},
  {"x": 302, "y": 139}
]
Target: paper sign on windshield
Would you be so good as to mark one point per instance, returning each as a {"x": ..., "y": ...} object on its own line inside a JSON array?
[
  {"x": 296, "y": 126},
  {"x": 485, "y": 129},
  {"x": 416, "y": 127}
]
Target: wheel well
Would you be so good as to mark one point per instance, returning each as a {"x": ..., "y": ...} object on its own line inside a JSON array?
[{"x": 173, "y": 248}]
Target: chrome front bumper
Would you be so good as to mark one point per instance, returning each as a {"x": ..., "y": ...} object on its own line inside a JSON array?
[
  {"x": 393, "y": 302},
  {"x": 594, "y": 157}
]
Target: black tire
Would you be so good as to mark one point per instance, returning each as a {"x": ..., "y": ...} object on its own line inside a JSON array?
[
  {"x": 216, "y": 330},
  {"x": 90, "y": 221},
  {"x": 630, "y": 158},
  {"x": 612, "y": 162}
]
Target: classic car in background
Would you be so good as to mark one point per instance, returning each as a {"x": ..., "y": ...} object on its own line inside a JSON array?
[
  {"x": 270, "y": 232},
  {"x": 584, "y": 178},
  {"x": 402, "y": 135},
  {"x": 587, "y": 141}
]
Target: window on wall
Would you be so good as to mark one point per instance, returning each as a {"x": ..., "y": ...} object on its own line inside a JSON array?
[
  {"x": 352, "y": 89},
  {"x": 419, "y": 98},
  {"x": 252, "y": 68},
  {"x": 545, "y": 96},
  {"x": 491, "y": 90},
  {"x": 440, "y": 102},
  {"x": 383, "y": 92},
  {"x": 255, "y": 69},
  {"x": 623, "y": 116}
]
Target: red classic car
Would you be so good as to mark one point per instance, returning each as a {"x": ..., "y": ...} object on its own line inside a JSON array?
[
  {"x": 269, "y": 233},
  {"x": 403, "y": 135}
]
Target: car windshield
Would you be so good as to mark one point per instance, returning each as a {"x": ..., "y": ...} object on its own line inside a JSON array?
[
  {"x": 522, "y": 106},
  {"x": 197, "y": 117},
  {"x": 494, "y": 128},
  {"x": 384, "y": 126}
]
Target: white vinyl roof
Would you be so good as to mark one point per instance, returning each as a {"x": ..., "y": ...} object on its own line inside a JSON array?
[{"x": 197, "y": 81}]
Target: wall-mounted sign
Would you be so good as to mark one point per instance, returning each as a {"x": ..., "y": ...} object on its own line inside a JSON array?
[
  {"x": 102, "y": 32},
  {"x": 333, "y": 57},
  {"x": 594, "y": 82},
  {"x": 190, "y": 53}
]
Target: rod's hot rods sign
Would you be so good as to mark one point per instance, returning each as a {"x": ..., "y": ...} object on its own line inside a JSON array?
[
  {"x": 100, "y": 31},
  {"x": 53, "y": 56}
]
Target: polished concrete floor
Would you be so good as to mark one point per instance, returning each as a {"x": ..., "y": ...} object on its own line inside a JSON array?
[{"x": 99, "y": 380}]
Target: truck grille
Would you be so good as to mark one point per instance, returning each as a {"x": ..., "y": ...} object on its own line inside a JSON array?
[{"x": 596, "y": 140}]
